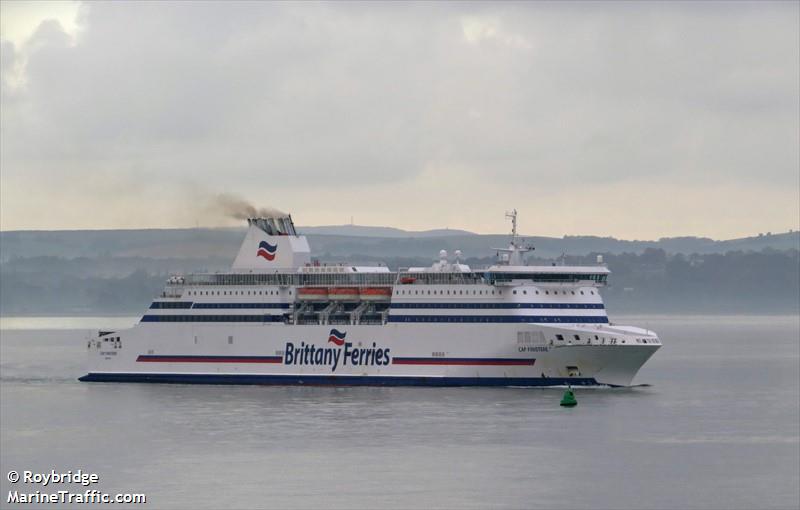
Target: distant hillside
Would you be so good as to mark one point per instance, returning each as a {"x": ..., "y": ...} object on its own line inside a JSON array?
[
  {"x": 224, "y": 242},
  {"x": 119, "y": 271},
  {"x": 389, "y": 232}
]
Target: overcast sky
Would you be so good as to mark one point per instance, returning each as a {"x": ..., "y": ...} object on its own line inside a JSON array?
[{"x": 637, "y": 120}]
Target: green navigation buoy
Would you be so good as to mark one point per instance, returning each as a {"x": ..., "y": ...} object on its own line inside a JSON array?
[{"x": 568, "y": 400}]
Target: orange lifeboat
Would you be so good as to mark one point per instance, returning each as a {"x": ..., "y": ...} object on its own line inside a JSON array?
[
  {"x": 407, "y": 280},
  {"x": 344, "y": 293},
  {"x": 376, "y": 293},
  {"x": 313, "y": 293}
]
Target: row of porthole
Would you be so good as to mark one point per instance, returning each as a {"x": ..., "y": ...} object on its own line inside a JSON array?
[
  {"x": 555, "y": 292},
  {"x": 578, "y": 338},
  {"x": 233, "y": 293},
  {"x": 479, "y": 292}
]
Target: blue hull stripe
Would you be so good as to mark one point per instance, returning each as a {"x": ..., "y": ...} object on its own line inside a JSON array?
[
  {"x": 339, "y": 380},
  {"x": 212, "y": 318},
  {"x": 550, "y": 319},
  {"x": 240, "y": 305},
  {"x": 170, "y": 304},
  {"x": 504, "y": 306},
  {"x": 569, "y": 319}
]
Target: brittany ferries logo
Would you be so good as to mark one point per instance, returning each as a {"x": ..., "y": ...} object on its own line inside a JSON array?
[
  {"x": 266, "y": 250},
  {"x": 336, "y": 337},
  {"x": 343, "y": 354}
]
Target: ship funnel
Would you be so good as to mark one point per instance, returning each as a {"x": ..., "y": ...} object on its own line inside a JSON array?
[{"x": 272, "y": 243}]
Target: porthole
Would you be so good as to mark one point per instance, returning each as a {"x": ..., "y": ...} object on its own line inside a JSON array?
[{"x": 515, "y": 292}]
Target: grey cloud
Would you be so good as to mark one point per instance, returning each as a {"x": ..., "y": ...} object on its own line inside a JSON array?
[{"x": 275, "y": 96}]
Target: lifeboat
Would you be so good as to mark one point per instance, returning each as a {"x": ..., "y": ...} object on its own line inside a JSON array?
[
  {"x": 407, "y": 280},
  {"x": 344, "y": 293},
  {"x": 376, "y": 293},
  {"x": 312, "y": 293}
]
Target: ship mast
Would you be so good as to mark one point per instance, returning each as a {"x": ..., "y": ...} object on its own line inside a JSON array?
[
  {"x": 512, "y": 255},
  {"x": 513, "y": 216}
]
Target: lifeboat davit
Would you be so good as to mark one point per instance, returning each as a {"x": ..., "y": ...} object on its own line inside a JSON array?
[
  {"x": 376, "y": 293},
  {"x": 313, "y": 293},
  {"x": 344, "y": 293}
]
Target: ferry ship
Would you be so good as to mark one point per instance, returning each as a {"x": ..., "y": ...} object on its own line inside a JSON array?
[{"x": 280, "y": 318}]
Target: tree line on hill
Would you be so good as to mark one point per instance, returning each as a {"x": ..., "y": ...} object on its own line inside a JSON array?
[{"x": 653, "y": 281}]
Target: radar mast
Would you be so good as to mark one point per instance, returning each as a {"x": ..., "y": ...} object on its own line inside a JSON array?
[{"x": 512, "y": 256}]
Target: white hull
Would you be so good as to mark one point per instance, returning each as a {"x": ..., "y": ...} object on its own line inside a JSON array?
[{"x": 455, "y": 354}]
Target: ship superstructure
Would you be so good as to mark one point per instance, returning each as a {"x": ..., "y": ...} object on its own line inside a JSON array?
[{"x": 280, "y": 318}]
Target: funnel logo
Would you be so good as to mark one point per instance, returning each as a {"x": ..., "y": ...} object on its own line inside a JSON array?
[
  {"x": 266, "y": 250},
  {"x": 336, "y": 337}
]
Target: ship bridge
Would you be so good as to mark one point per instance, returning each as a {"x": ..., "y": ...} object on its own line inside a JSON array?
[{"x": 583, "y": 275}]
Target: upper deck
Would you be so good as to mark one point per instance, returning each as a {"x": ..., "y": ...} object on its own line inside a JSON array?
[
  {"x": 572, "y": 275},
  {"x": 273, "y": 273}
]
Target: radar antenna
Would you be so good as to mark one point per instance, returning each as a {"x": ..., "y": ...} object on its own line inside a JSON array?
[
  {"x": 513, "y": 216},
  {"x": 513, "y": 254}
]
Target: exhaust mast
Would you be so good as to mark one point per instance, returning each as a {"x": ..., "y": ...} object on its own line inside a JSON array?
[{"x": 274, "y": 226}]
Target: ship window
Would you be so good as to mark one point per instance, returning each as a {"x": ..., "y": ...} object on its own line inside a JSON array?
[
  {"x": 581, "y": 293},
  {"x": 515, "y": 292},
  {"x": 592, "y": 292},
  {"x": 537, "y": 292},
  {"x": 559, "y": 337},
  {"x": 547, "y": 292},
  {"x": 577, "y": 337},
  {"x": 524, "y": 291},
  {"x": 573, "y": 292},
  {"x": 230, "y": 339}
]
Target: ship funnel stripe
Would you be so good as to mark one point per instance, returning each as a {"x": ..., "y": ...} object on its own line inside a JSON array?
[
  {"x": 269, "y": 247},
  {"x": 266, "y": 250}
]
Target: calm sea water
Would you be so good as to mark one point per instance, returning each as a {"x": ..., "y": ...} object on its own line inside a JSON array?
[{"x": 719, "y": 427}]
